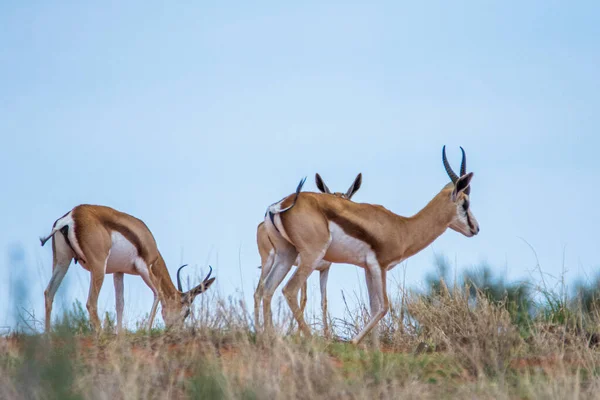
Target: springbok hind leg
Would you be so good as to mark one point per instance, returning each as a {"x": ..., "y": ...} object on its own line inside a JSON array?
[
  {"x": 282, "y": 265},
  {"x": 61, "y": 259},
  {"x": 58, "y": 274},
  {"x": 303, "y": 296},
  {"x": 259, "y": 292},
  {"x": 290, "y": 291}
]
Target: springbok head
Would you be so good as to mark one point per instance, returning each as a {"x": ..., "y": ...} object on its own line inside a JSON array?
[
  {"x": 463, "y": 222},
  {"x": 176, "y": 313}
]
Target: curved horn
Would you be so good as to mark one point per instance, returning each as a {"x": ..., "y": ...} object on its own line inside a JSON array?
[
  {"x": 463, "y": 169},
  {"x": 463, "y": 163},
  {"x": 179, "y": 279},
  {"x": 208, "y": 276},
  {"x": 447, "y": 166}
]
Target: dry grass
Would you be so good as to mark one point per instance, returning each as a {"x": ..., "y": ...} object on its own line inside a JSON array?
[{"x": 451, "y": 344}]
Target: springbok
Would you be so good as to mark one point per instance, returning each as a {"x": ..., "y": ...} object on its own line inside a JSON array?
[
  {"x": 317, "y": 227},
  {"x": 267, "y": 256},
  {"x": 106, "y": 241}
]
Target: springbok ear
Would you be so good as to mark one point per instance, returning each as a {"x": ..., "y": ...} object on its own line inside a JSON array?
[
  {"x": 461, "y": 185},
  {"x": 355, "y": 186},
  {"x": 321, "y": 185},
  {"x": 201, "y": 287}
]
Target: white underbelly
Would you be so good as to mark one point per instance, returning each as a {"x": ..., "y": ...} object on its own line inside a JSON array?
[
  {"x": 123, "y": 256},
  {"x": 346, "y": 249}
]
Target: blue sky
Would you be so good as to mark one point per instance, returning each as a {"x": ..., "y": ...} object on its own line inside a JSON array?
[{"x": 196, "y": 116}]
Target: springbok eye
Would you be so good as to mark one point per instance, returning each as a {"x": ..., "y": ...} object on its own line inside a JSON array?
[{"x": 466, "y": 205}]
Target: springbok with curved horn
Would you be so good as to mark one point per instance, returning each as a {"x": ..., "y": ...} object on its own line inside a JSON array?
[
  {"x": 267, "y": 255},
  {"x": 318, "y": 227},
  {"x": 106, "y": 241}
]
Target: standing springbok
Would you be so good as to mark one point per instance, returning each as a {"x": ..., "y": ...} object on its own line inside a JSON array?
[
  {"x": 106, "y": 241},
  {"x": 317, "y": 227},
  {"x": 267, "y": 256}
]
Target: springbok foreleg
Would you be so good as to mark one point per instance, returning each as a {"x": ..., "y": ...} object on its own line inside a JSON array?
[
  {"x": 145, "y": 274},
  {"x": 323, "y": 275},
  {"x": 374, "y": 305},
  {"x": 119, "y": 299},
  {"x": 379, "y": 290}
]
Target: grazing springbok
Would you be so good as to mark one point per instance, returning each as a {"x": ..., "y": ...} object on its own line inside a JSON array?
[
  {"x": 267, "y": 256},
  {"x": 106, "y": 241},
  {"x": 318, "y": 227}
]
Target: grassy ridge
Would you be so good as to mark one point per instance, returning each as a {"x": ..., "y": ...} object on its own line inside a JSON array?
[{"x": 477, "y": 338}]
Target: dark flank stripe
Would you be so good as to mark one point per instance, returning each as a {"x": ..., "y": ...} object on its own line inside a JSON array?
[
  {"x": 352, "y": 229},
  {"x": 129, "y": 235}
]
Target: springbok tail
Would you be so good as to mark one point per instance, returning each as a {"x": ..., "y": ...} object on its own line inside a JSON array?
[
  {"x": 298, "y": 189},
  {"x": 275, "y": 208},
  {"x": 58, "y": 225},
  {"x": 43, "y": 239}
]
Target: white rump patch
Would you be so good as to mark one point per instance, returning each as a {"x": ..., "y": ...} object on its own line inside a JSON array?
[
  {"x": 61, "y": 244},
  {"x": 63, "y": 250},
  {"x": 64, "y": 221},
  {"x": 73, "y": 239},
  {"x": 275, "y": 208}
]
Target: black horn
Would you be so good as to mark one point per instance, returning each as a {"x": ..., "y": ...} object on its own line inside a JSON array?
[
  {"x": 463, "y": 169},
  {"x": 179, "y": 279},
  {"x": 447, "y": 166},
  {"x": 208, "y": 276},
  {"x": 463, "y": 163}
]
